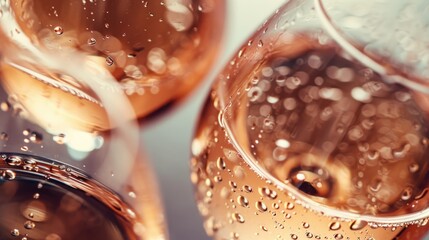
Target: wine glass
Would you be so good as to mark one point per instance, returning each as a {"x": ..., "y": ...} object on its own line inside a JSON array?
[
  {"x": 67, "y": 181},
  {"x": 317, "y": 127},
  {"x": 157, "y": 50}
]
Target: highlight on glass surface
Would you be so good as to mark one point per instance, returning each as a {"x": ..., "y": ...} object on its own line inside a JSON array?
[
  {"x": 318, "y": 127},
  {"x": 156, "y": 50}
]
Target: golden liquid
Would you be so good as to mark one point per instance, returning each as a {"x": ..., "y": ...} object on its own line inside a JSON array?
[
  {"x": 324, "y": 125},
  {"x": 41, "y": 199},
  {"x": 157, "y": 51}
]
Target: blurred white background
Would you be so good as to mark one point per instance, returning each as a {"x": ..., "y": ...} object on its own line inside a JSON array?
[{"x": 167, "y": 139}]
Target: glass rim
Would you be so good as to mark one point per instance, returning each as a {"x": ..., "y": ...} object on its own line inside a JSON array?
[{"x": 391, "y": 73}]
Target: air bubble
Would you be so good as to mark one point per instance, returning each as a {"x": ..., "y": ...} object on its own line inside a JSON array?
[{"x": 36, "y": 196}]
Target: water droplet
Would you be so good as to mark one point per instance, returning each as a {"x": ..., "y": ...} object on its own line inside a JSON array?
[
  {"x": 266, "y": 192},
  {"x": 24, "y": 148},
  {"x": 401, "y": 153},
  {"x": 358, "y": 225},
  {"x": 31, "y": 215},
  {"x": 217, "y": 179},
  {"x": 309, "y": 235},
  {"x": 407, "y": 193},
  {"x": 306, "y": 225},
  {"x": 4, "y": 136},
  {"x": 109, "y": 61},
  {"x": 335, "y": 226},
  {"x": 14, "y": 161},
  {"x": 58, "y": 30},
  {"x": 238, "y": 217},
  {"x": 91, "y": 41},
  {"x": 243, "y": 201},
  {"x": 232, "y": 184},
  {"x": 106, "y": 25},
  {"x": 14, "y": 232},
  {"x": 5, "y": 106},
  {"x": 375, "y": 185},
  {"x": 247, "y": 188},
  {"x": 293, "y": 236},
  {"x": 290, "y": 205},
  {"x": 260, "y": 43},
  {"x": 8, "y": 174},
  {"x": 261, "y": 206},
  {"x": 132, "y": 195},
  {"x": 208, "y": 183},
  {"x": 422, "y": 194},
  {"x": 413, "y": 167},
  {"x": 29, "y": 225},
  {"x": 36, "y": 196},
  {"x": 26, "y": 132},
  {"x": 60, "y": 138},
  {"x": 220, "y": 163},
  {"x": 39, "y": 185},
  {"x": 36, "y": 137},
  {"x": 338, "y": 236}
]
